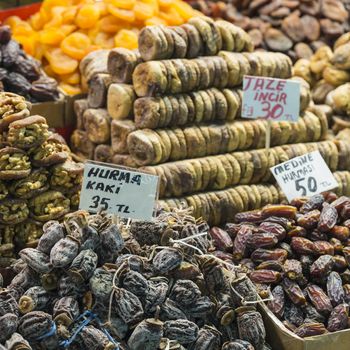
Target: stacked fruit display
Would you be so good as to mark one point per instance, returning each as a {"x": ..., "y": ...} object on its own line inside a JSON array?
[
  {"x": 296, "y": 27},
  {"x": 176, "y": 115},
  {"x": 39, "y": 181},
  {"x": 64, "y": 31}
]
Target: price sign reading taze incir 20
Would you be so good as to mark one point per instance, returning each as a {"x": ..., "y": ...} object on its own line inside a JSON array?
[
  {"x": 117, "y": 190},
  {"x": 270, "y": 99},
  {"x": 304, "y": 176}
]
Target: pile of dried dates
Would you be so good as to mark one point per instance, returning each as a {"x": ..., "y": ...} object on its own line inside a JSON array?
[
  {"x": 22, "y": 74},
  {"x": 295, "y": 27},
  {"x": 93, "y": 283},
  {"x": 39, "y": 181},
  {"x": 299, "y": 254}
]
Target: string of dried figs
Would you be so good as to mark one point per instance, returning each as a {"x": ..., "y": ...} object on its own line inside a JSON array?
[
  {"x": 158, "y": 146},
  {"x": 249, "y": 167},
  {"x": 298, "y": 253},
  {"x": 294, "y": 27},
  {"x": 201, "y": 36},
  {"x": 39, "y": 180},
  {"x": 22, "y": 74},
  {"x": 196, "y": 107},
  {"x": 95, "y": 284},
  {"x": 225, "y": 70}
]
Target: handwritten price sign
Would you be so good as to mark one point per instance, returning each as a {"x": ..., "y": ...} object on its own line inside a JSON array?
[
  {"x": 117, "y": 190},
  {"x": 271, "y": 99},
  {"x": 304, "y": 176}
]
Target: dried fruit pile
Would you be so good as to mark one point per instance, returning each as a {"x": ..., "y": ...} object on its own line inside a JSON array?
[
  {"x": 299, "y": 253},
  {"x": 175, "y": 115},
  {"x": 295, "y": 27},
  {"x": 39, "y": 181},
  {"x": 328, "y": 73},
  {"x": 93, "y": 284},
  {"x": 22, "y": 74},
  {"x": 64, "y": 31}
]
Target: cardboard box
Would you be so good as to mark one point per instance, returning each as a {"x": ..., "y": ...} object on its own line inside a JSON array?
[
  {"x": 53, "y": 111},
  {"x": 280, "y": 338}
]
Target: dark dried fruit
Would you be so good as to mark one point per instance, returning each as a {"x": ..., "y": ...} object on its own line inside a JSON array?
[
  {"x": 293, "y": 291},
  {"x": 319, "y": 299},
  {"x": 328, "y": 218},
  {"x": 335, "y": 289},
  {"x": 338, "y": 318},
  {"x": 310, "y": 329},
  {"x": 276, "y": 305}
]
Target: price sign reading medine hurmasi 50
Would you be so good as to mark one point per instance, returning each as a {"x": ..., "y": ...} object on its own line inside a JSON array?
[
  {"x": 117, "y": 190},
  {"x": 271, "y": 99},
  {"x": 304, "y": 176}
]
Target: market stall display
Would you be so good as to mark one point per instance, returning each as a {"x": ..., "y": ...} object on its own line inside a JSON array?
[
  {"x": 21, "y": 74},
  {"x": 299, "y": 253},
  {"x": 39, "y": 181},
  {"x": 179, "y": 119},
  {"x": 297, "y": 27},
  {"x": 62, "y": 33},
  {"x": 91, "y": 283}
]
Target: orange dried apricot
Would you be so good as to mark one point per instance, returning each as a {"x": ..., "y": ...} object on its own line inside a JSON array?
[
  {"x": 126, "y": 38},
  {"x": 72, "y": 79},
  {"x": 109, "y": 24},
  {"x": 125, "y": 15},
  {"x": 36, "y": 21},
  {"x": 165, "y": 4},
  {"x": 154, "y": 21},
  {"x": 60, "y": 62},
  {"x": 68, "y": 28},
  {"x": 171, "y": 17},
  {"x": 123, "y": 4},
  {"x": 75, "y": 45},
  {"x": 70, "y": 89},
  {"x": 51, "y": 36},
  {"x": 104, "y": 40},
  {"x": 69, "y": 14},
  {"x": 143, "y": 11},
  {"x": 87, "y": 16},
  {"x": 183, "y": 9}
]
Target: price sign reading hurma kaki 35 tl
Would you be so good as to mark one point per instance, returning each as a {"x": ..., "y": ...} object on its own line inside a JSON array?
[{"x": 118, "y": 190}]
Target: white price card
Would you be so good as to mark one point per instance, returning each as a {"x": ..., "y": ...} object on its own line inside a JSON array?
[
  {"x": 122, "y": 191},
  {"x": 270, "y": 99},
  {"x": 304, "y": 176}
]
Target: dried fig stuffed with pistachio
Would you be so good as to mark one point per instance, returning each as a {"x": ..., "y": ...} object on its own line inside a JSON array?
[
  {"x": 12, "y": 107},
  {"x": 66, "y": 176},
  {"x": 14, "y": 164},
  {"x": 49, "y": 205},
  {"x": 53, "y": 151},
  {"x": 32, "y": 185},
  {"x": 13, "y": 211},
  {"x": 28, "y": 133}
]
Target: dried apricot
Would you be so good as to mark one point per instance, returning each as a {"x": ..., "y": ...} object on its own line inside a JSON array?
[
  {"x": 87, "y": 16},
  {"x": 125, "y": 15},
  {"x": 60, "y": 62},
  {"x": 75, "y": 45},
  {"x": 51, "y": 36},
  {"x": 126, "y": 38}
]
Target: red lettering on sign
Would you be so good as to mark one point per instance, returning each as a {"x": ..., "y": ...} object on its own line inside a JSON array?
[{"x": 280, "y": 85}]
